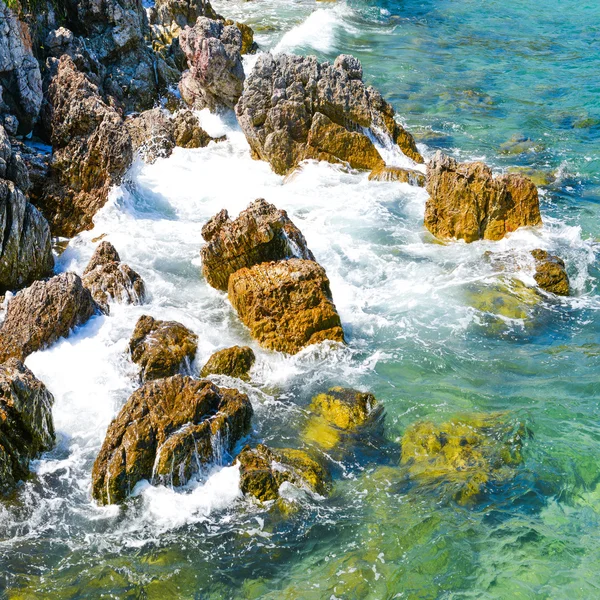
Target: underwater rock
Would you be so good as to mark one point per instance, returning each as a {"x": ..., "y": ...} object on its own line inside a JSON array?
[
  {"x": 398, "y": 174},
  {"x": 287, "y": 305},
  {"x": 168, "y": 430},
  {"x": 461, "y": 457},
  {"x": 215, "y": 77},
  {"x": 263, "y": 470},
  {"x": 467, "y": 202},
  {"x": 234, "y": 362},
  {"x": 44, "y": 312},
  {"x": 108, "y": 279},
  {"x": 261, "y": 233},
  {"x": 26, "y": 426},
  {"x": 161, "y": 348},
  {"x": 294, "y": 108},
  {"x": 550, "y": 273},
  {"x": 519, "y": 144}
]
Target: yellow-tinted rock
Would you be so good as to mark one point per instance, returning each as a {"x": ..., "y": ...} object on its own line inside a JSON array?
[
  {"x": 550, "y": 273},
  {"x": 235, "y": 362},
  {"x": 509, "y": 298},
  {"x": 386, "y": 173},
  {"x": 344, "y": 408}
]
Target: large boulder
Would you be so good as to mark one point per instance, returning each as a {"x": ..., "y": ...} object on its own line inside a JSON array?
[
  {"x": 166, "y": 432},
  {"x": 91, "y": 151},
  {"x": 550, "y": 273},
  {"x": 161, "y": 348},
  {"x": 263, "y": 470},
  {"x": 110, "y": 280},
  {"x": 234, "y": 362},
  {"x": 287, "y": 305},
  {"x": 43, "y": 313},
  {"x": 26, "y": 426},
  {"x": 215, "y": 77},
  {"x": 294, "y": 108},
  {"x": 261, "y": 233},
  {"x": 467, "y": 202}
]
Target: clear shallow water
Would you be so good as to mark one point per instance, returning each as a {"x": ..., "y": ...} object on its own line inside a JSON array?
[{"x": 419, "y": 338}]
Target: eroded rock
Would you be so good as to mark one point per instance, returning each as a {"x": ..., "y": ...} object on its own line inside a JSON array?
[
  {"x": 287, "y": 305},
  {"x": 167, "y": 431},
  {"x": 261, "y": 233},
  {"x": 161, "y": 348},
  {"x": 398, "y": 174},
  {"x": 550, "y": 273},
  {"x": 234, "y": 362},
  {"x": 467, "y": 202}
]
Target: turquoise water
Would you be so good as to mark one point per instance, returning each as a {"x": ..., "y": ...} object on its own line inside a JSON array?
[{"x": 467, "y": 77}]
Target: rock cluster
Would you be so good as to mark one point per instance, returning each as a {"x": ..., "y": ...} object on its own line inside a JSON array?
[
  {"x": 168, "y": 430},
  {"x": 108, "y": 279},
  {"x": 550, "y": 273},
  {"x": 466, "y": 202},
  {"x": 295, "y": 108},
  {"x": 234, "y": 362},
  {"x": 26, "y": 426}
]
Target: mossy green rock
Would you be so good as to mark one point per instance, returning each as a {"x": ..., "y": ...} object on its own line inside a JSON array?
[{"x": 235, "y": 362}]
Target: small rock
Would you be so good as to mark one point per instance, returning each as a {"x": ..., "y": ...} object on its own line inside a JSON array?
[
  {"x": 550, "y": 273},
  {"x": 345, "y": 408},
  {"x": 161, "y": 348},
  {"x": 398, "y": 174},
  {"x": 234, "y": 362}
]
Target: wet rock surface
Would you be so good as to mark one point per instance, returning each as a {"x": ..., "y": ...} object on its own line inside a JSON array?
[
  {"x": 26, "y": 426},
  {"x": 467, "y": 202},
  {"x": 287, "y": 305},
  {"x": 261, "y": 233},
  {"x": 234, "y": 362},
  {"x": 398, "y": 174},
  {"x": 43, "y": 313},
  {"x": 166, "y": 432},
  {"x": 550, "y": 273},
  {"x": 161, "y": 348}
]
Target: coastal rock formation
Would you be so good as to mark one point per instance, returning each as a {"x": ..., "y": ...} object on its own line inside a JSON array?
[
  {"x": 398, "y": 174},
  {"x": 168, "y": 430},
  {"x": 287, "y": 305},
  {"x": 215, "y": 77},
  {"x": 181, "y": 12},
  {"x": 161, "y": 348},
  {"x": 234, "y": 362},
  {"x": 263, "y": 470},
  {"x": 91, "y": 151},
  {"x": 108, "y": 279},
  {"x": 550, "y": 273},
  {"x": 467, "y": 202},
  {"x": 261, "y": 233},
  {"x": 26, "y": 426},
  {"x": 461, "y": 458},
  {"x": 294, "y": 108},
  {"x": 42, "y": 313}
]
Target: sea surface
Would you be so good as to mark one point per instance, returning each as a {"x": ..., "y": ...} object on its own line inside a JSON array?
[{"x": 435, "y": 331}]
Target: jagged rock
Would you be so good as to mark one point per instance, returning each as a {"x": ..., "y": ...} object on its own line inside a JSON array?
[
  {"x": 467, "y": 202},
  {"x": 42, "y": 313},
  {"x": 167, "y": 431},
  {"x": 263, "y": 470},
  {"x": 235, "y": 362},
  {"x": 215, "y": 77},
  {"x": 398, "y": 174},
  {"x": 20, "y": 78},
  {"x": 287, "y": 305},
  {"x": 161, "y": 348},
  {"x": 26, "y": 426},
  {"x": 261, "y": 233},
  {"x": 155, "y": 133},
  {"x": 459, "y": 459},
  {"x": 108, "y": 279},
  {"x": 181, "y": 12},
  {"x": 249, "y": 46},
  {"x": 285, "y": 98},
  {"x": 550, "y": 273},
  {"x": 92, "y": 151}
]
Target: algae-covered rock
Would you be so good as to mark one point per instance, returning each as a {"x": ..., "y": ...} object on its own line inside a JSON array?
[
  {"x": 263, "y": 470},
  {"x": 550, "y": 273},
  {"x": 461, "y": 457},
  {"x": 161, "y": 348},
  {"x": 235, "y": 362}
]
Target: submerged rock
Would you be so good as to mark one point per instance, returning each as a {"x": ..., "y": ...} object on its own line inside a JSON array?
[
  {"x": 161, "y": 348},
  {"x": 287, "y": 305},
  {"x": 43, "y": 313},
  {"x": 26, "y": 426},
  {"x": 108, "y": 279},
  {"x": 167, "y": 431},
  {"x": 261, "y": 233},
  {"x": 550, "y": 273},
  {"x": 467, "y": 202},
  {"x": 462, "y": 457},
  {"x": 263, "y": 470},
  {"x": 398, "y": 174},
  {"x": 234, "y": 362},
  {"x": 294, "y": 108}
]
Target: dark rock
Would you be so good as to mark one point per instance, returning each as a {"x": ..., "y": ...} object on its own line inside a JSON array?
[
  {"x": 181, "y": 12},
  {"x": 235, "y": 362},
  {"x": 550, "y": 273}
]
